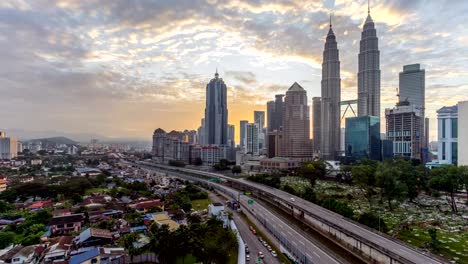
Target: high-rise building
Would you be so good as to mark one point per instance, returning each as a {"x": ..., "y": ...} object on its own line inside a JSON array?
[
  {"x": 362, "y": 137},
  {"x": 463, "y": 133},
  {"x": 274, "y": 145},
  {"x": 369, "y": 71},
  {"x": 252, "y": 144},
  {"x": 412, "y": 89},
  {"x": 243, "y": 139},
  {"x": 316, "y": 122},
  {"x": 447, "y": 124},
  {"x": 270, "y": 115},
  {"x": 275, "y": 113},
  {"x": 404, "y": 130},
  {"x": 216, "y": 112},
  {"x": 259, "y": 119},
  {"x": 231, "y": 136},
  {"x": 201, "y": 133},
  {"x": 8, "y": 147},
  {"x": 331, "y": 97},
  {"x": 296, "y": 124}
]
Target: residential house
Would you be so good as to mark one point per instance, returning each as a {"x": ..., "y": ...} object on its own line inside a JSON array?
[
  {"x": 3, "y": 185},
  {"x": 94, "y": 237},
  {"x": 25, "y": 255},
  {"x": 163, "y": 219},
  {"x": 41, "y": 205},
  {"x": 89, "y": 257},
  {"x": 60, "y": 225},
  {"x": 58, "y": 250},
  {"x": 144, "y": 206},
  {"x": 215, "y": 209}
]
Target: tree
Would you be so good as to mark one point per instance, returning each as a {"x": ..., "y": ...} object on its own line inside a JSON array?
[
  {"x": 364, "y": 177},
  {"x": 236, "y": 169},
  {"x": 434, "y": 243},
  {"x": 448, "y": 180},
  {"x": 221, "y": 165},
  {"x": 388, "y": 178},
  {"x": 76, "y": 198},
  {"x": 6, "y": 238},
  {"x": 313, "y": 170},
  {"x": 463, "y": 170},
  {"x": 5, "y": 207}
]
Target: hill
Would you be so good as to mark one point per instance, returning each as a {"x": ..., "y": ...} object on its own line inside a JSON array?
[{"x": 55, "y": 140}]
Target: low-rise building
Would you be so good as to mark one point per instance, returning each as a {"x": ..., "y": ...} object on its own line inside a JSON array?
[
  {"x": 215, "y": 209},
  {"x": 280, "y": 164},
  {"x": 92, "y": 237},
  {"x": 163, "y": 219},
  {"x": 66, "y": 224}
]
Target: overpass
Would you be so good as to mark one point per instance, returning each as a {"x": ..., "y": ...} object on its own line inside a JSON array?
[{"x": 362, "y": 241}]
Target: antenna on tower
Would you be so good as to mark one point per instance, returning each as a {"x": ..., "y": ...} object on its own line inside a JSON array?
[
  {"x": 331, "y": 19},
  {"x": 368, "y": 7},
  {"x": 398, "y": 94}
]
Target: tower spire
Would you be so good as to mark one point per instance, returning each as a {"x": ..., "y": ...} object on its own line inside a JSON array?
[
  {"x": 368, "y": 7},
  {"x": 216, "y": 74},
  {"x": 330, "y": 19}
]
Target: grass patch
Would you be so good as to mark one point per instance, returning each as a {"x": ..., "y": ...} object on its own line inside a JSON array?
[
  {"x": 189, "y": 259},
  {"x": 281, "y": 256},
  {"x": 96, "y": 190},
  {"x": 449, "y": 243},
  {"x": 199, "y": 205}
]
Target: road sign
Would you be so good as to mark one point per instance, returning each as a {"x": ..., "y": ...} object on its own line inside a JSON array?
[
  {"x": 214, "y": 179},
  {"x": 247, "y": 193},
  {"x": 250, "y": 201}
]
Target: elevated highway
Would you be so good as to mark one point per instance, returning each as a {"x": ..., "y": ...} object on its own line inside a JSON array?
[{"x": 358, "y": 239}]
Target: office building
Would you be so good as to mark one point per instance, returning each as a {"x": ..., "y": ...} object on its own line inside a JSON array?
[
  {"x": 463, "y": 133},
  {"x": 447, "y": 133},
  {"x": 259, "y": 119},
  {"x": 369, "y": 71},
  {"x": 412, "y": 89},
  {"x": 403, "y": 126},
  {"x": 243, "y": 139},
  {"x": 275, "y": 113},
  {"x": 331, "y": 97},
  {"x": 296, "y": 124},
  {"x": 8, "y": 147},
  {"x": 362, "y": 138},
  {"x": 274, "y": 143},
  {"x": 316, "y": 122},
  {"x": 231, "y": 136},
  {"x": 216, "y": 112},
  {"x": 252, "y": 144}
]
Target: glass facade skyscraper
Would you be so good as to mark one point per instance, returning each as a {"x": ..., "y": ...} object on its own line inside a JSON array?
[{"x": 362, "y": 138}]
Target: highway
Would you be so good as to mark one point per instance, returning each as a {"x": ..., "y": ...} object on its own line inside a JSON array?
[
  {"x": 398, "y": 249},
  {"x": 303, "y": 249},
  {"x": 249, "y": 238}
]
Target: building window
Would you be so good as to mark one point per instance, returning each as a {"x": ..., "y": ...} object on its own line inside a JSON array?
[
  {"x": 443, "y": 128},
  {"x": 454, "y": 124},
  {"x": 443, "y": 151},
  {"x": 454, "y": 153}
]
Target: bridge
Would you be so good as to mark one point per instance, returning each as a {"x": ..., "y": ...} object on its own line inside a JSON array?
[{"x": 359, "y": 240}]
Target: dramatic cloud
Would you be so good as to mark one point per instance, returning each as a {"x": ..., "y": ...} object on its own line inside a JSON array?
[{"x": 122, "y": 68}]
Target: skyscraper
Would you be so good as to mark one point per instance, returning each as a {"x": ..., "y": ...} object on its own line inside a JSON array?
[
  {"x": 462, "y": 133},
  {"x": 252, "y": 143},
  {"x": 259, "y": 119},
  {"x": 296, "y": 124},
  {"x": 331, "y": 91},
  {"x": 8, "y": 147},
  {"x": 412, "y": 89},
  {"x": 242, "y": 127},
  {"x": 216, "y": 112},
  {"x": 270, "y": 115},
  {"x": 369, "y": 71},
  {"x": 362, "y": 137},
  {"x": 316, "y": 122},
  {"x": 231, "y": 136},
  {"x": 447, "y": 123}
]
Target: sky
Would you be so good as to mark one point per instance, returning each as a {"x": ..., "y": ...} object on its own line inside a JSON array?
[{"x": 124, "y": 68}]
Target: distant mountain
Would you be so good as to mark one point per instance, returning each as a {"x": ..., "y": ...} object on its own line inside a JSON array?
[{"x": 55, "y": 140}]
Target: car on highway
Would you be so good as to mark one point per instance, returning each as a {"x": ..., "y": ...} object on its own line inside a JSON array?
[
  {"x": 269, "y": 248},
  {"x": 247, "y": 258},
  {"x": 264, "y": 243},
  {"x": 273, "y": 253},
  {"x": 292, "y": 199},
  {"x": 247, "y": 249},
  {"x": 260, "y": 254}
]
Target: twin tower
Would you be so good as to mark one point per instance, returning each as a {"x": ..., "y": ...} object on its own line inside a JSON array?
[{"x": 327, "y": 142}]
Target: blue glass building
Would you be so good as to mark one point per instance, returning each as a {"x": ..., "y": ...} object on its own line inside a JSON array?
[{"x": 362, "y": 137}]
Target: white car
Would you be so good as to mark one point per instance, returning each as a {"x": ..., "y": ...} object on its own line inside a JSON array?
[
  {"x": 260, "y": 254},
  {"x": 247, "y": 257},
  {"x": 292, "y": 199},
  {"x": 273, "y": 253}
]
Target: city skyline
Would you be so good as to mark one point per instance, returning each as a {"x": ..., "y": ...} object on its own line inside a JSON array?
[{"x": 123, "y": 69}]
